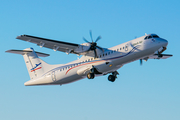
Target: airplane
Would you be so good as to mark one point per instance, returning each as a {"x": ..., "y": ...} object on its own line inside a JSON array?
[{"x": 95, "y": 61}]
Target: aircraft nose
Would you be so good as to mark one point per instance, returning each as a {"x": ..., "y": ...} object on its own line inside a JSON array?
[{"x": 164, "y": 42}]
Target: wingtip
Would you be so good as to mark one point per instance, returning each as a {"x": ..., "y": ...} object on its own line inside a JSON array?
[
  {"x": 7, "y": 51},
  {"x": 18, "y": 37}
]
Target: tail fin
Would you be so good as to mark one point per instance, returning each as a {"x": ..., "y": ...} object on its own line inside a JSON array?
[{"x": 35, "y": 66}]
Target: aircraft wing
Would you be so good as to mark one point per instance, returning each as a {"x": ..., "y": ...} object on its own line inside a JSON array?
[
  {"x": 55, "y": 45},
  {"x": 161, "y": 56}
]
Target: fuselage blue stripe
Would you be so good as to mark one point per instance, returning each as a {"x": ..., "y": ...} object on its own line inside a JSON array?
[{"x": 134, "y": 48}]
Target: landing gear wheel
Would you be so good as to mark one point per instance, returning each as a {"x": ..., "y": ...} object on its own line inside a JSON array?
[
  {"x": 90, "y": 75},
  {"x": 111, "y": 78}
]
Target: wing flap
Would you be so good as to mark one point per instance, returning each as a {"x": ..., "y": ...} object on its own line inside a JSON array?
[{"x": 48, "y": 43}]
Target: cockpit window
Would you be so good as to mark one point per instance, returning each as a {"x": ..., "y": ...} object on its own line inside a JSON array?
[
  {"x": 155, "y": 36},
  {"x": 149, "y": 37},
  {"x": 145, "y": 37}
]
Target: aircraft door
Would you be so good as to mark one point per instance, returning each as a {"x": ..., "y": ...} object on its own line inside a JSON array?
[
  {"x": 53, "y": 76},
  {"x": 126, "y": 47}
]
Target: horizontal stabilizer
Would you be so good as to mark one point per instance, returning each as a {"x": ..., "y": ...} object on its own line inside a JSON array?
[
  {"x": 161, "y": 56},
  {"x": 28, "y": 50}
]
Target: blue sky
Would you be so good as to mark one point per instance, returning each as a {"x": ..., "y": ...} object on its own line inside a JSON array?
[{"x": 148, "y": 92}]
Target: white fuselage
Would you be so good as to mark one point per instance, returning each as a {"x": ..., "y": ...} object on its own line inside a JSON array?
[{"x": 108, "y": 61}]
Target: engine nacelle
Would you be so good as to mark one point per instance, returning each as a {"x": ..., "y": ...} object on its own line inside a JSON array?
[{"x": 83, "y": 48}]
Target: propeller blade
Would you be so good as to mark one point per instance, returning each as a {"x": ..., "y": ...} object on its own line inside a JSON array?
[
  {"x": 98, "y": 38},
  {"x": 100, "y": 48},
  {"x": 95, "y": 53},
  {"x": 85, "y": 40},
  {"x": 90, "y": 32},
  {"x": 141, "y": 61}
]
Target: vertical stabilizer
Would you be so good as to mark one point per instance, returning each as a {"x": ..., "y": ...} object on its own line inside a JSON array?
[{"x": 35, "y": 66}]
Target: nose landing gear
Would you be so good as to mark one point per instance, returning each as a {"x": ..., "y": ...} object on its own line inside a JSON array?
[{"x": 113, "y": 77}]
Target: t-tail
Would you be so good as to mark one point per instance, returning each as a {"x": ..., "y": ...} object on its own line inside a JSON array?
[{"x": 35, "y": 66}]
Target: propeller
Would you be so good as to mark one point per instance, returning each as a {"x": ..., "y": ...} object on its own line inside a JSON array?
[
  {"x": 93, "y": 44},
  {"x": 141, "y": 62},
  {"x": 145, "y": 59}
]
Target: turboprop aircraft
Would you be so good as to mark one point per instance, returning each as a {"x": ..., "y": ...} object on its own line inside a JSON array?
[{"x": 95, "y": 60}]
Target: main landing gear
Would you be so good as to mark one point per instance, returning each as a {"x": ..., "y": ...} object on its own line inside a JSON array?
[
  {"x": 113, "y": 77},
  {"x": 92, "y": 73}
]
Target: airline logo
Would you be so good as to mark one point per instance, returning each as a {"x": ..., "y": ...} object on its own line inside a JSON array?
[{"x": 36, "y": 67}]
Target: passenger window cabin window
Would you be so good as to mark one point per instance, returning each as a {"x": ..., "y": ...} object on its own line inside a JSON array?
[
  {"x": 123, "y": 47},
  {"x": 106, "y": 54}
]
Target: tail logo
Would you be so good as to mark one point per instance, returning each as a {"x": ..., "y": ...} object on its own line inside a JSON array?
[{"x": 36, "y": 67}]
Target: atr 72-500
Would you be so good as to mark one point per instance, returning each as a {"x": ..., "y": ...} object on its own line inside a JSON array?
[{"x": 95, "y": 60}]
